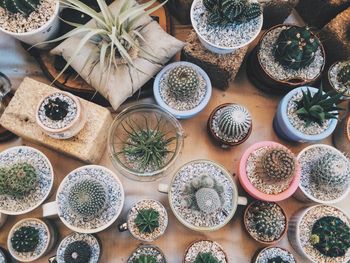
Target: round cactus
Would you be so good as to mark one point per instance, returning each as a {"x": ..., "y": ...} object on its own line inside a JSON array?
[
  {"x": 208, "y": 200},
  {"x": 296, "y": 47},
  {"x": 277, "y": 259},
  {"x": 278, "y": 163},
  {"x": 77, "y": 252},
  {"x": 56, "y": 109},
  {"x": 87, "y": 198},
  {"x": 25, "y": 239},
  {"x": 206, "y": 257},
  {"x": 24, "y": 7},
  {"x": 344, "y": 75},
  {"x": 183, "y": 81},
  {"x": 145, "y": 259},
  {"x": 147, "y": 220},
  {"x": 21, "y": 179}
]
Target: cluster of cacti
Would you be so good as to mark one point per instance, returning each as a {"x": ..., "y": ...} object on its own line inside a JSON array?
[
  {"x": 204, "y": 194},
  {"x": 224, "y": 12},
  {"x": 87, "y": 197},
  {"x": 56, "y": 109},
  {"x": 25, "y": 239},
  {"x": 330, "y": 236},
  {"x": 145, "y": 259},
  {"x": 183, "y": 82},
  {"x": 277, "y": 259},
  {"x": 77, "y": 252},
  {"x": 25, "y": 7},
  {"x": 296, "y": 47},
  {"x": 147, "y": 220},
  {"x": 278, "y": 163},
  {"x": 234, "y": 121},
  {"x": 18, "y": 180},
  {"x": 206, "y": 257},
  {"x": 318, "y": 107},
  {"x": 331, "y": 170},
  {"x": 344, "y": 75}
]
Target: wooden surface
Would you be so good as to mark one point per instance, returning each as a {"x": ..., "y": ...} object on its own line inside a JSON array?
[{"x": 117, "y": 246}]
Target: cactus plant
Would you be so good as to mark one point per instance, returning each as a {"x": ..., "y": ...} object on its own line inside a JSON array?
[
  {"x": 25, "y": 7},
  {"x": 25, "y": 239},
  {"x": 252, "y": 11},
  {"x": 331, "y": 170},
  {"x": 87, "y": 197},
  {"x": 147, "y": 220},
  {"x": 206, "y": 257},
  {"x": 183, "y": 82},
  {"x": 277, "y": 259},
  {"x": 145, "y": 259},
  {"x": 344, "y": 75},
  {"x": 3, "y": 176},
  {"x": 56, "y": 109},
  {"x": 296, "y": 47},
  {"x": 330, "y": 236},
  {"x": 77, "y": 252},
  {"x": 278, "y": 163}
]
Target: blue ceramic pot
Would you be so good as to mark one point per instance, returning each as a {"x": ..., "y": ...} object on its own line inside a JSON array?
[{"x": 286, "y": 130}]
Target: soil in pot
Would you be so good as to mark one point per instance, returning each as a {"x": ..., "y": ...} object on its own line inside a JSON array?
[
  {"x": 205, "y": 251},
  {"x": 148, "y": 253},
  {"x": 275, "y": 255},
  {"x": 339, "y": 78}
]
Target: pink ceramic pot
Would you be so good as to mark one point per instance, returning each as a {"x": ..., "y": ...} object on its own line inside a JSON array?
[{"x": 249, "y": 187}]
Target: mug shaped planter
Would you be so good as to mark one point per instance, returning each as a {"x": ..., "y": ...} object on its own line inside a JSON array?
[
  {"x": 203, "y": 195},
  {"x": 251, "y": 189},
  {"x": 203, "y": 92},
  {"x": 88, "y": 200}
]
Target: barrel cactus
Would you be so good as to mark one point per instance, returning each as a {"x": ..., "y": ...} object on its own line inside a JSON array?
[
  {"x": 277, "y": 259},
  {"x": 296, "y": 47},
  {"x": 206, "y": 257},
  {"x": 183, "y": 82},
  {"x": 56, "y": 109},
  {"x": 145, "y": 259},
  {"x": 147, "y": 220},
  {"x": 87, "y": 197},
  {"x": 330, "y": 236},
  {"x": 25, "y": 239},
  {"x": 344, "y": 75},
  {"x": 77, "y": 252},
  {"x": 25, "y": 7}
]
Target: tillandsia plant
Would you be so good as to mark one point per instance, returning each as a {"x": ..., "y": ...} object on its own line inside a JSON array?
[
  {"x": 24, "y": 7},
  {"x": 224, "y": 12},
  {"x": 145, "y": 259},
  {"x": 147, "y": 220},
  {"x": 25, "y": 239},
  {"x": 296, "y": 47},
  {"x": 331, "y": 236},
  {"x": 277, "y": 259},
  {"x": 206, "y": 257},
  {"x": 183, "y": 82},
  {"x": 344, "y": 75},
  {"x": 77, "y": 252},
  {"x": 319, "y": 107}
]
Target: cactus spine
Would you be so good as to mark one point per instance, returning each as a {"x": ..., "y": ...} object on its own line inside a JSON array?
[
  {"x": 77, "y": 252},
  {"x": 206, "y": 257},
  {"x": 344, "y": 75},
  {"x": 183, "y": 82},
  {"x": 25, "y": 239},
  {"x": 25, "y": 7},
  {"x": 147, "y": 220},
  {"x": 278, "y": 163}
]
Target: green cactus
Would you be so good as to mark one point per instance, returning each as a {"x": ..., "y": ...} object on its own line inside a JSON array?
[
  {"x": 145, "y": 259},
  {"x": 21, "y": 179},
  {"x": 87, "y": 197},
  {"x": 206, "y": 257},
  {"x": 183, "y": 82},
  {"x": 3, "y": 176},
  {"x": 344, "y": 75},
  {"x": 252, "y": 11},
  {"x": 56, "y": 109},
  {"x": 25, "y": 239},
  {"x": 278, "y": 163},
  {"x": 147, "y": 220},
  {"x": 296, "y": 47},
  {"x": 25, "y": 7},
  {"x": 330, "y": 236},
  {"x": 77, "y": 252},
  {"x": 277, "y": 259}
]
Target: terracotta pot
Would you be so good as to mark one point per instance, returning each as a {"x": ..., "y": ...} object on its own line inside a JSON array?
[
  {"x": 341, "y": 135},
  {"x": 187, "y": 249}
]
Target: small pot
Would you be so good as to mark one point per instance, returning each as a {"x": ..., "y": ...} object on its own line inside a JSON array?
[
  {"x": 216, "y": 246},
  {"x": 186, "y": 114},
  {"x": 286, "y": 130},
  {"x": 327, "y": 82},
  {"x": 151, "y": 250},
  {"x": 249, "y": 187},
  {"x": 341, "y": 135},
  {"x": 72, "y": 128},
  {"x": 260, "y": 252}
]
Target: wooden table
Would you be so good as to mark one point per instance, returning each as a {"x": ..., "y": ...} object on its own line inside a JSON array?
[{"x": 16, "y": 63}]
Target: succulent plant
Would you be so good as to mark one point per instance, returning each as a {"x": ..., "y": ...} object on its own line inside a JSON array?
[
  {"x": 234, "y": 121},
  {"x": 330, "y": 236},
  {"x": 25, "y": 239},
  {"x": 145, "y": 259},
  {"x": 24, "y": 7},
  {"x": 56, "y": 109},
  {"x": 278, "y": 163},
  {"x": 252, "y": 11},
  {"x": 3, "y": 176},
  {"x": 277, "y": 259},
  {"x": 296, "y": 47},
  {"x": 183, "y": 82},
  {"x": 77, "y": 252},
  {"x": 318, "y": 107},
  {"x": 206, "y": 257},
  {"x": 87, "y": 197},
  {"x": 147, "y": 220},
  {"x": 331, "y": 170},
  {"x": 204, "y": 194},
  {"x": 344, "y": 75}
]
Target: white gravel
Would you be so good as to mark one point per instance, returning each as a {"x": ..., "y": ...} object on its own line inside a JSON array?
[
  {"x": 205, "y": 246},
  {"x": 272, "y": 252}
]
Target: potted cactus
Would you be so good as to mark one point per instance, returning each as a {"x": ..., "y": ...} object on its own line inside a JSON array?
[
  {"x": 203, "y": 251},
  {"x": 183, "y": 89},
  {"x": 230, "y": 124},
  {"x": 147, "y": 254},
  {"x": 223, "y": 26},
  {"x": 274, "y": 255},
  {"x": 325, "y": 175},
  {"x": 338, "y": 78},
  {"x": 307, "y": 114},
  {"x": 269, "y": 171},
  {"x": 320, "y": 234},
  {"x": 30, "y": 21},
  {"x": 265, "y": 222},
  {"x": 341, "y": 135},
  {"x": 286, "y": 57}
]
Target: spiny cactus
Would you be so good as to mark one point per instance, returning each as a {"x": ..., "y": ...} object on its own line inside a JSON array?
[
  {"x": 147, "y": 220},
  {"x": 278, "y": 163},
  {"x": 296, "y": 47},
  {"x": 25, "y": 7},
  {"x": 252, "y": 11},
  {"x": 3, "y": 176},
  {"x": 25, "y": 239},
  {"x": 331, "y": 236},
  {"x": 206, "y": 257},
  {"x": 277, "y": 259},
  {"x": 183, "y": 82},
  {"x": 145, "y": 259},
  {"x": 331, "y": 170},
  {"x": 77, "y": 252},
  {"x": 56, "y": 109},
  {"x": 87, "y": 197},
  {"x": 344, "y": 75},
  {"x": 234, "y": 121}
]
